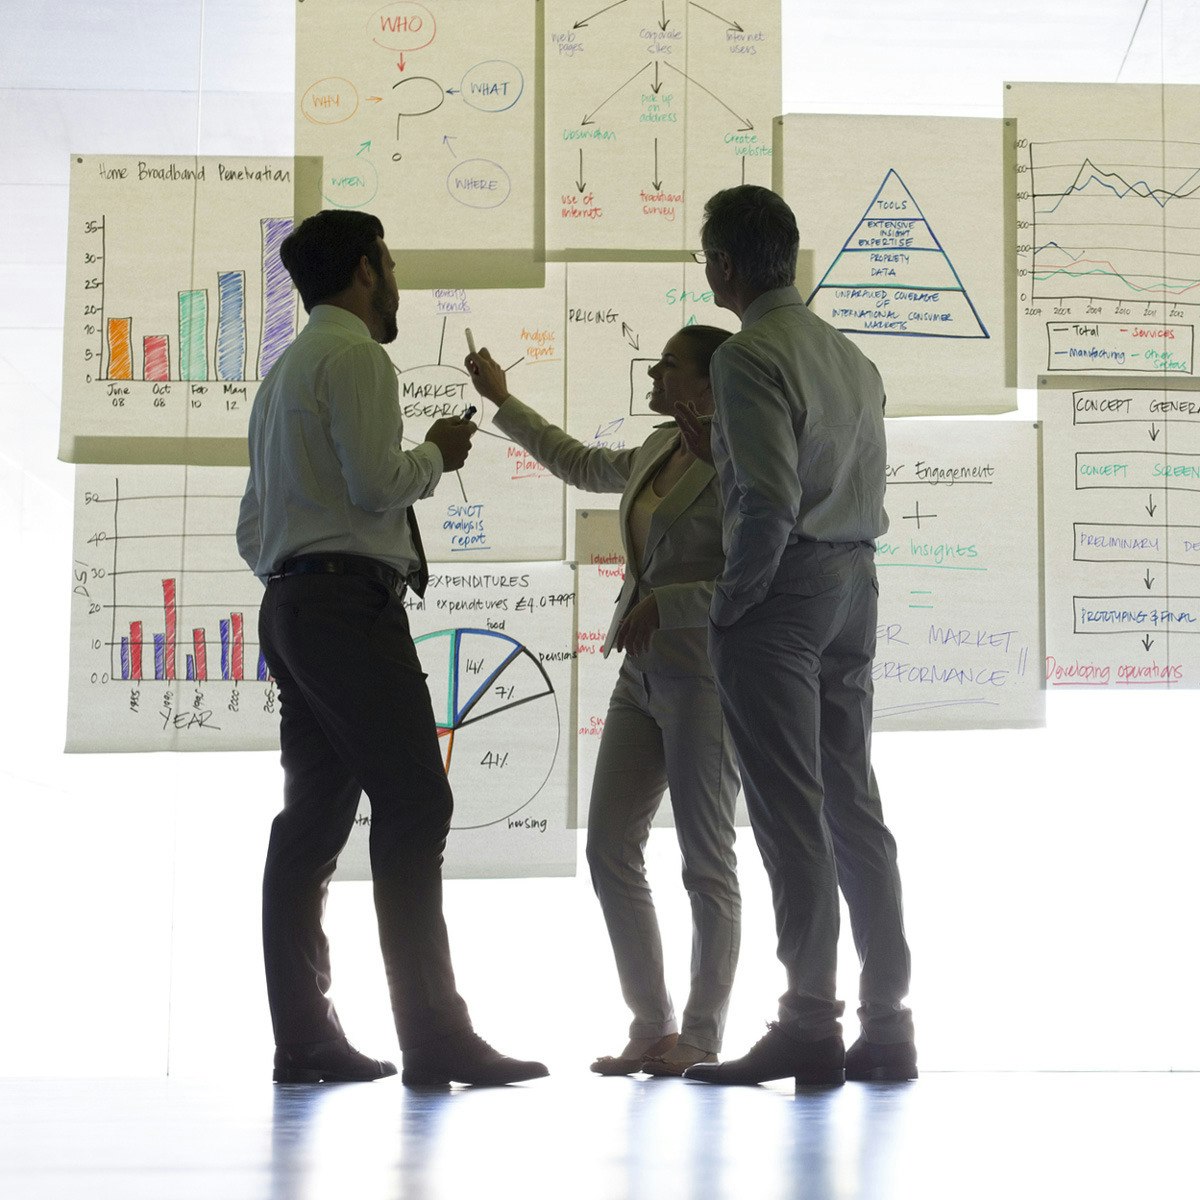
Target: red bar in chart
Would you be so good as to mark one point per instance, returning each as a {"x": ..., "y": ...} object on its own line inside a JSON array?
[
  {"x": 135, "y": 649},
  {"x": 168, "y": 586},
  {"x": 200, "y": 651},
  {"x": 156, "y": 358},
  {"x": 239, "y": 649}
]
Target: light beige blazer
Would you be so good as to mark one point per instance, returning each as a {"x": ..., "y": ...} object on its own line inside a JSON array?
[{"x": 683, "y": 555}]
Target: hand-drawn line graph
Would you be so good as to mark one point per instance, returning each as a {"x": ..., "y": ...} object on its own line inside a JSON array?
[
  {"x": 497, "y": 718},
  {"x": 893, "y": 277},
  {"x": 1115, "y": 220}
]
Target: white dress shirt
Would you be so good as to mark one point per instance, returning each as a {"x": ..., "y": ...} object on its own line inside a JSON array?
[
  {"x": 327, "y": 468},
  {"x": 798, "y": 443}
]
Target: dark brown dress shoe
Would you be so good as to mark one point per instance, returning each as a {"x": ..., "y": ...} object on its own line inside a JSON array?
[
  {"x": 630, "y": 1064},
  {"x": 776, "y": 1056},
  {"x": 334, "y": 1061},
  {"x": 464, "y": 1058},
  {"x": 881, "y": 1062}
]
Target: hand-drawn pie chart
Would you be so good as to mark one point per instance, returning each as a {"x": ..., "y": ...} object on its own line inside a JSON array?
[{"x": 497, "y": 719}]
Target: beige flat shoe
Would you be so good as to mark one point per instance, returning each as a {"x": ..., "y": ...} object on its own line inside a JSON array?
[
  {"x": 626, "y": 1063},
  {"x": 676, "y": 1061}
]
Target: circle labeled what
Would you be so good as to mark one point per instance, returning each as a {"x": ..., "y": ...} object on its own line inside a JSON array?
[{"x": 493, "y": 86}]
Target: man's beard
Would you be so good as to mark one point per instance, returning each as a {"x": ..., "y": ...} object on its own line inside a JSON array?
[{"x": 381, "y": 306}]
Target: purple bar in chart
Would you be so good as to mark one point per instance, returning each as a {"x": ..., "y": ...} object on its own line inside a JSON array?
[{"x": 278, "y": 296}]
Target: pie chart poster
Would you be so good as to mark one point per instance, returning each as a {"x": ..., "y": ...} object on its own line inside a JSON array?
[{"x": 497, "y": 648}]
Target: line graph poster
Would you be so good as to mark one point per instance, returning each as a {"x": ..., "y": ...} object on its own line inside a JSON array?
[
  {"x": 907, "y": 242},
  {"x": 177, "y": 303},
  {"x": 650, "y": 109},
  {"x": 1122, "y": 535},
  {"x": 618, "y": 323},
  {"x": 960, "y": 625},
  {"x": 503, "y": 505},
  {"x": 1106, "y": 181},
  {"x": 496, "y": 644},
  {"x": 426, "y": 114}
]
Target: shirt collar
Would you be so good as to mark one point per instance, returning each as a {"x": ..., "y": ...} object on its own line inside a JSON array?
[
  {"x": 776, "y": 298},
  {"x": 331, "y": 314}
]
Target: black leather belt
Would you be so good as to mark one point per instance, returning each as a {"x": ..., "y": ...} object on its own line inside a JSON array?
[{"x": 344, "y": 564}]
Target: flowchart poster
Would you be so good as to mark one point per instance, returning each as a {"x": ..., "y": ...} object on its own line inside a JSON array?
[
  {"x": 960, "y": 622},
  {"x": 1122, "y": 535},
  {"x": 503, "y": 504},
  {"x": 618, "y": 323},
  {"x": 907, "y": 242},
  {"x": 651, "y": 107},
  {"x": 177, "y": 304},
  {"x": 427, "y": 116},
  {"x": 496, "y": 644},
  {"x": 1106, "y": 184}
]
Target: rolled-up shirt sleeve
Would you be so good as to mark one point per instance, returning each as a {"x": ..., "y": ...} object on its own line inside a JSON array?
[
  {"x": 756, "y": 425},
  {"x": 366, "y": 427}
]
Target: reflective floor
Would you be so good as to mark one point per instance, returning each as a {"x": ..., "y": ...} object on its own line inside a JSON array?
[{"x": 966, "y": 1136}]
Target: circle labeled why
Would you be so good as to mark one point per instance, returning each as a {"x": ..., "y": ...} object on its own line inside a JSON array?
[{"x": 497, "y": 721}]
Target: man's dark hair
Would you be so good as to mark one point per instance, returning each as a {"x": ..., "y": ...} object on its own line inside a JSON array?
[
  {"x": 755, "y": 227},
  {"x": 703, "y": 341},
  {"x": 323, "y": 251}
]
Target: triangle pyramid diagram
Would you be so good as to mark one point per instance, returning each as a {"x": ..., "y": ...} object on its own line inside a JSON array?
[{"x": 893, "y": 277}]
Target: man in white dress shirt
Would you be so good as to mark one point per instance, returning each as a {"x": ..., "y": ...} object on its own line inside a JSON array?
[
  {"x": 326, "y": 523},
  {"x": 798, "y": 443}
]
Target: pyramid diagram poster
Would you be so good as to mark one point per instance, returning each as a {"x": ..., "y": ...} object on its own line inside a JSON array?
[
  {"x": 902, "y": 248},
  {"x": 894, "y": 277}
]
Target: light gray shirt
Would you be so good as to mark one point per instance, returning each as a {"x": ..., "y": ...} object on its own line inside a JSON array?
[
  {"x": 798, "y": 442},
  {"x": 327, "y": 468}
]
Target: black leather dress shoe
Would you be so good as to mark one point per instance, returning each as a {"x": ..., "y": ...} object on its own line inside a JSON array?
[
  {"x": 776, "y": 1056},
  {"x": 335, "y": 1061},
  {"x": 464, "y": 1058},
  {"x": 878, "y": 1062}
]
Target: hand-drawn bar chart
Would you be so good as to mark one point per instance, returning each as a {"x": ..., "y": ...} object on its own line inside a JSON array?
[
  {"x": 177, "y": 301},
  {"x": 164, "y": 653}
]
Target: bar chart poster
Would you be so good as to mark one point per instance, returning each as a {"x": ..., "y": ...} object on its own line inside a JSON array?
[
  {"x": 428, "y": 115},
  {"x": 177, "y": 304},
  {"x": 1105, "y": 180},
  {"x": 164, "y": 615},
  {"x": 960, "y": 619},
  {"x": 1122, "y": 535},
  {"x": 496, "y": 643}
]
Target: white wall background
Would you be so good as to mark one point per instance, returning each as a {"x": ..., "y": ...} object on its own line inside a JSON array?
[{"x": 1050, "y": 875}]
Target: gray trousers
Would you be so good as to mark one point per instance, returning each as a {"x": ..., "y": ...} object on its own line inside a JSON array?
[
  {"x": 660, "y": 732},
  {"x": 794, "y": 676}
]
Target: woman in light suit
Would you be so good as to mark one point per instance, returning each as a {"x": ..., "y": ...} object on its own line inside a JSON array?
[{"x": 664, "y": 727}]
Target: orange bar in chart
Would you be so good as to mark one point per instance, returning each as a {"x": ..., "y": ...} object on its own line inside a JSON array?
[{"x": 120, "y": 349}]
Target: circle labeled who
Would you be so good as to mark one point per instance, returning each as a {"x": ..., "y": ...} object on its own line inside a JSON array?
[
  {"x": 479, "y": 183},
  {"x": 402, "y": 26},
  {"x": 493, "y": 86},
  {"x": 329, "y": 101}
]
